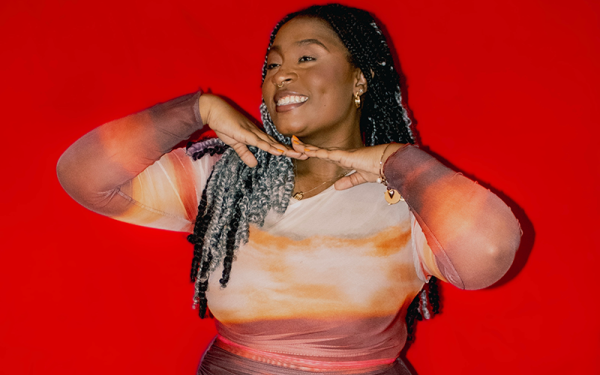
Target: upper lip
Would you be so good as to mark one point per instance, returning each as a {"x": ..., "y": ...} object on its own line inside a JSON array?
[{"x": 282, "y": 94}]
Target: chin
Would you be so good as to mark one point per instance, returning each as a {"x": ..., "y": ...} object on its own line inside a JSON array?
[{"x": 288, "y": 129}]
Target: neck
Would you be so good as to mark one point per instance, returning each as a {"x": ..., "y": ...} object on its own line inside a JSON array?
[
  {"x": 317, "y": 169},
  {"x": 313, "y": 177},
  {"x": 323, "y": 170}
]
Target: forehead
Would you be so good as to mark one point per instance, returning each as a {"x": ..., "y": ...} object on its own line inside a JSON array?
[{"x": 302, "y": 28}]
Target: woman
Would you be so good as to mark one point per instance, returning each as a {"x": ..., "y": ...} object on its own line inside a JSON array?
[{"x": 327, "y": 260}]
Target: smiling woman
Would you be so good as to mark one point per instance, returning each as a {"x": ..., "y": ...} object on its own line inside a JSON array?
[
  {"x": 326, "y": 269},
  {"x": 308, "y": 61}
]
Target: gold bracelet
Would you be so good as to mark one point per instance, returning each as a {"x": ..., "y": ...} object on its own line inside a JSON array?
[
  {"x": 391, "y": 195},
  {"x": 381, "y": 179}
]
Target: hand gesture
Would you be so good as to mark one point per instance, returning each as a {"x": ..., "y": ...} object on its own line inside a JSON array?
[
  {"x": 365, "y": 160},
  {"x": 237, "y": 131}
]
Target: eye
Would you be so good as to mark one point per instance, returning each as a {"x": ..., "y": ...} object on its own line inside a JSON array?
[
  {"x": 306, "y": 58},
  {"x": 272, "y": 66}
]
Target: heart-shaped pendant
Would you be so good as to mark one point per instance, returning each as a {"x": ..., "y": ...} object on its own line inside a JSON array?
[{"x": 392, "y": 196}]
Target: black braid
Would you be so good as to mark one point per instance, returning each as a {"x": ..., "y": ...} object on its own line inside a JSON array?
[
  {"x": 414, "y": 311},
  {"x": 412, "y": 314},
  {"x": 198, "y": 241},
  {"x": 239, "y": 195},
  {"x": 203, "y": 286},
  {"x": 202, "y": 222},
  {"x": 210, "y": 146},
  {"x": 230, "y": 245},
  {"x": 434, "y": 295}
]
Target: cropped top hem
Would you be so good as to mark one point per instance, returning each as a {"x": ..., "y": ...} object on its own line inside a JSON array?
[{"x": 303, "y": 364}]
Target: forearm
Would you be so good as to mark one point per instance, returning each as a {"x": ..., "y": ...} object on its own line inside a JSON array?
[
  {"x": 472, "y": 233},
  {"x": 99, "y": 167}
]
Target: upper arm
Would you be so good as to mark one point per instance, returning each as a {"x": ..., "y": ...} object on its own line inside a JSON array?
[
  {"x": 425, "y": 261},
  {"x": 167, "y": 193},
  {"x": 471, "y": 247},
  {"x": 471, "y": 234}
]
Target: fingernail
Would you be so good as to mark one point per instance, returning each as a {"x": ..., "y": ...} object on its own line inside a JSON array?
[
  {"x": 306, "y": 149},
  {"x": 295, "y": 140},
  {"x": 280, "y": 151}
]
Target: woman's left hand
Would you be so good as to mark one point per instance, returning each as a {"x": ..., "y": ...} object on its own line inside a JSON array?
[{"x": 365, "y": 160}]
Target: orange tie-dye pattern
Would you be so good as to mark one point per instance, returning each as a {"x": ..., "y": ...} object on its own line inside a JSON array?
[{"x": 331, "y": 278}]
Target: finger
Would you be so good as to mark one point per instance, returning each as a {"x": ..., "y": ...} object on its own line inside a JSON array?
[
  {"x": 257, "y": 138},
  {"x": 350, "y": 181},
  {"x": 265, "y": 137},
  {"x": 281, "y": 148},
  {"x": 297, "y": 156},
  {"x": 340, "y": 157},
  {"x": 319, "y": 152},
  {"x": 298, "y": 145},
  {"x": 245, "y": 154},
  {"x": 275, "y": 148},
  {"x": 292, "y": 153}
]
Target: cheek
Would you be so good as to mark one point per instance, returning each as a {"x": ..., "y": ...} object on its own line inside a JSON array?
[
  {"x": 266, "y": 91},
  {"x": 335, "y": 84}
]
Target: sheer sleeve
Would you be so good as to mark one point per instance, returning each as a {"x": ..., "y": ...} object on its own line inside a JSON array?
[
  {"x": 471, "y": 234},
  {"x": 127, "y": 170}
]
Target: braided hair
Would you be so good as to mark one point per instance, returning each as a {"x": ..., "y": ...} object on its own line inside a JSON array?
[{"x": 237, "y": 195}]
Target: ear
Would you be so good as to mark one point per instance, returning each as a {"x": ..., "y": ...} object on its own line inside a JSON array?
[{"x": 360, "y": 82}]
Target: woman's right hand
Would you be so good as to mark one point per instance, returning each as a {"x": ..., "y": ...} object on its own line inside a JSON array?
[{"x": 237, "y": 131}]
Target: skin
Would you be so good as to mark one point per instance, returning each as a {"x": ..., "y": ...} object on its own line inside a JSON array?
[{"x": 308, "y": 60}]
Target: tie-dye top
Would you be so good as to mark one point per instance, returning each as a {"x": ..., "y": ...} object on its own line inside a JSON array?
[{"x": 332, "y": 277}]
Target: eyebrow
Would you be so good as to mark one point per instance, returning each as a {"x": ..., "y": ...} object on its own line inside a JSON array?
[{"x": 302, "y": 42}]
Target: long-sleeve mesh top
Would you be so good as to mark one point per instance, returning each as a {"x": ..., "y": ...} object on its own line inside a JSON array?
[{"x": 330, "y": 279}]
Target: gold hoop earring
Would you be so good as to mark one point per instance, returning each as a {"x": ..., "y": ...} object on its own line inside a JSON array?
[{"x": 357, "y": 99}]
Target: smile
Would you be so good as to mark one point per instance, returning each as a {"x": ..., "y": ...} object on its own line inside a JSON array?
[{"x": 292, "y": 99}]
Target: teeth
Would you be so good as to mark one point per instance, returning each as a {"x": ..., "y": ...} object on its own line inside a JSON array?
[{"x": 292, "y": 99}]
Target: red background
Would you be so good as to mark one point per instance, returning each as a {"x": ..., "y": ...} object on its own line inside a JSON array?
[{"x": 505, "y": 90}]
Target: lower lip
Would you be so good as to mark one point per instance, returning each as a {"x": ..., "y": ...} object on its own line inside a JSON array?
[{"x": 287, "y": 107}]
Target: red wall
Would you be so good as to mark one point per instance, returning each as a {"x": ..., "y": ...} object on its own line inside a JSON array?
[{"x": 506, "y": 91}]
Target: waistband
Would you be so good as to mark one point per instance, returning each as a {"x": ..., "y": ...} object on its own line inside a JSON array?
[{"x": 347, "y": 367}]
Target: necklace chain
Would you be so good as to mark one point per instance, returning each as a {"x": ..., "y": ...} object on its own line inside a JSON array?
[{"x": 300, "y": 194}]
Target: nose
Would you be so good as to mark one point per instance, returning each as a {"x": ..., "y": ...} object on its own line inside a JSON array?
[
  {"x": 284, "y": 77},
  {"x": 282, "y": 83}
]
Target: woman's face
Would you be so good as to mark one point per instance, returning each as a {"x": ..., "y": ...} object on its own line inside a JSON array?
[{"x": 310, "y": 84}]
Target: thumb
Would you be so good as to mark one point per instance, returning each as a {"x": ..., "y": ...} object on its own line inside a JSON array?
[
  {"x": 245, "y": 154},
  {"x": 350, "y": 181}
]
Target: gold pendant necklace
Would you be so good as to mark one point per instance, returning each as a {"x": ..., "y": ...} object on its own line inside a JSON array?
[
  {"x": 392, "y": 196},
  {"x": 300, "y": 194}
]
